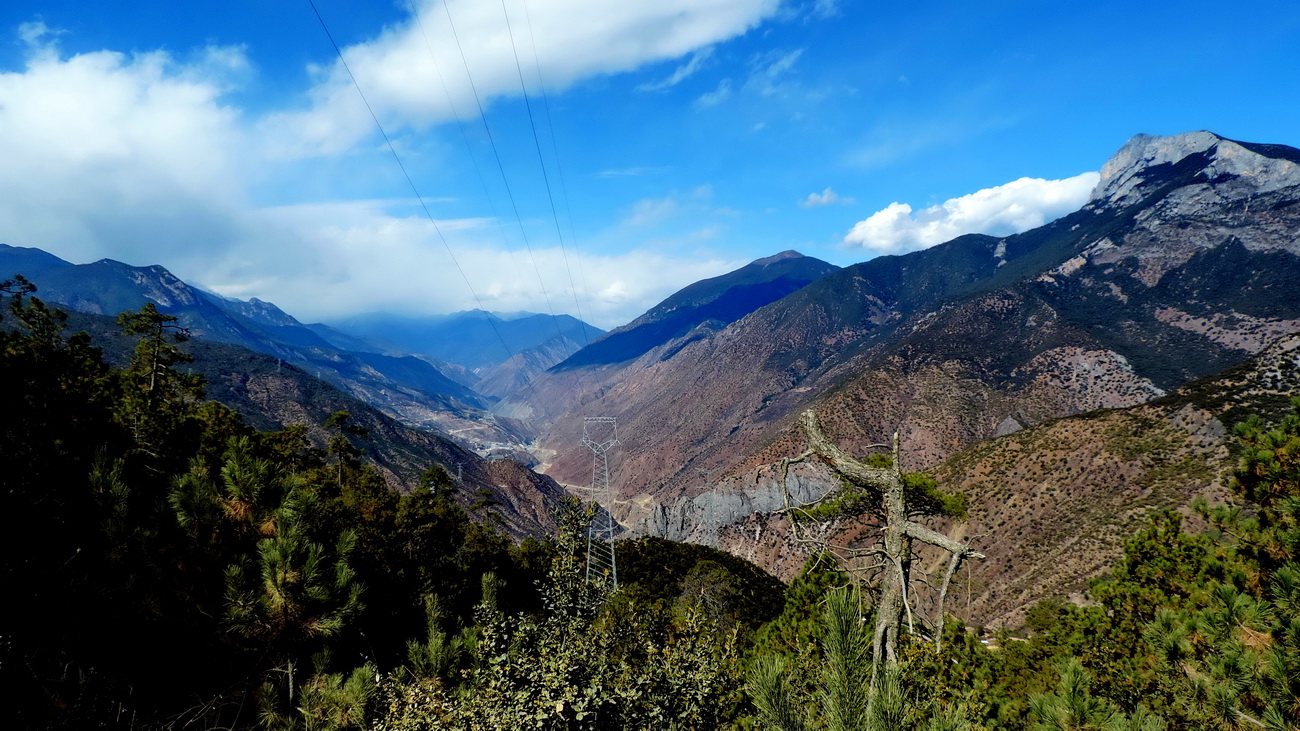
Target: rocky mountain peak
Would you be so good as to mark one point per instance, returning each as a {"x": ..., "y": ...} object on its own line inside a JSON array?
[{"x": 1264, "y": 168}]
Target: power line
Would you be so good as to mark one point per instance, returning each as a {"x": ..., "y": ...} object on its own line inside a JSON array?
[
  {"x": 509, "y": 192},
  {"x": 541, "y": 160},
  {"x": 501, "y": 168},
  {"x": 559, "y": 168},
  {"x": 469, "y": 150},
  {"x": 409, "y": 181}
]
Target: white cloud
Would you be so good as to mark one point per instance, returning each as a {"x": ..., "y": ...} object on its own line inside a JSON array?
[
  {"x": 767, "y": 71},
  {"x": 361, "y": 258},
  {"x": 652, "y": 211},
  {"x": 649, "y": 211},
  {"x": 767, "y": 75},
  {"x": 826, "y": 8},
  {"x": 107, "y": 153},
  {"x": 1017, "y": 206},
  {"x": 33, "y": 33},
  {"x": 403, "y": 71},
  {"x": 632, "y": 172},
  {"x": 824, "y": 198}
]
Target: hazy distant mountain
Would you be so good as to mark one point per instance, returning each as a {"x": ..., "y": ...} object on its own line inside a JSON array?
[
  {"x": 473, "y": 338},
  {"x": 718, "y": 301},
  {"x": 1183, "y": 263}
]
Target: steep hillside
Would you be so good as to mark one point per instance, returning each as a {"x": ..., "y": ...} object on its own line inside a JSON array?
[
  {"x": 524, "y": 367},
  {"x": 1178, "y": 267},
  {"x": 1050, "y": 505}
]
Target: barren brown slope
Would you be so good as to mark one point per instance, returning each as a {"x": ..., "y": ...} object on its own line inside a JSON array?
[{"x": 1051, "y": 505}]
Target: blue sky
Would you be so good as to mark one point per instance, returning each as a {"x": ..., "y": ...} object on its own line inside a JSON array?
[{"x": 680, "y": 138}]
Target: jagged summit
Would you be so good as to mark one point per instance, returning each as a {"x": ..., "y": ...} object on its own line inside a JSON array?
[{"x": 1265, "y": 168}]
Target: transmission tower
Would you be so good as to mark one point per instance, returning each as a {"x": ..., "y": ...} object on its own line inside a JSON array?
[{"x": 600, "y": 434}]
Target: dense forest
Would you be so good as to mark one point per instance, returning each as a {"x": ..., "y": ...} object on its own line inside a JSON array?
[{"x": 168, "y": 566}]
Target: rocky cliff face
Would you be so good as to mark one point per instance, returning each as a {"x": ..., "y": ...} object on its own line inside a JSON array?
[
  {"x": 1233, "y": 169},
  {"x": 1183, "y": 264},
  {"x": 1195, "y": 192}
]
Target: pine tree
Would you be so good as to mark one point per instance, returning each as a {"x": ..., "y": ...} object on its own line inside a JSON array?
[
  {"x": 157, "y": 399},
  {"x": 1231, "y": 659}
]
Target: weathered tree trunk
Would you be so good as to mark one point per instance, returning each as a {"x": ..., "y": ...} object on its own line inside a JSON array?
[{"x": 896, "y": 551}]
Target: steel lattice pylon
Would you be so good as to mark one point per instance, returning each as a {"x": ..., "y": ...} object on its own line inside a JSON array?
[{"x": 600, "y": 434}]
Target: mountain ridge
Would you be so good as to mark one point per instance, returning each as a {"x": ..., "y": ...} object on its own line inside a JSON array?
[
  {"x": 409, "y": 388},
  {"x": 476, "y": 339},
  {"x": 722, "y": 299},
  {"x": 271, "y": 395}
]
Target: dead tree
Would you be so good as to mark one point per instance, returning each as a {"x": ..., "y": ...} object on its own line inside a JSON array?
[{"x": 894, "y": 551}]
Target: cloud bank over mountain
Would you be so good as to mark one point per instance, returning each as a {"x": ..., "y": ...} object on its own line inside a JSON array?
[{"x": 149, "y": 158}]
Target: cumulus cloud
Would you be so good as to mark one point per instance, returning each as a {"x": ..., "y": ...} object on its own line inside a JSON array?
[
  {"x": 1006, "y": 209},
  {"x": 572, "y": 40},
  {"x": 105, "y": 152},
  {"x": 824, "y": 198}
]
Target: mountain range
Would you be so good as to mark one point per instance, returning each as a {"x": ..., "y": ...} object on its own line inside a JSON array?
[
  {"x": 271, "y": 394},
  {"x": 1067, "y": 379},
  {"x": 715, "y": 302},
  {"x": 1181, "y": 265},
  {"x": 476, "y": 339}
]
